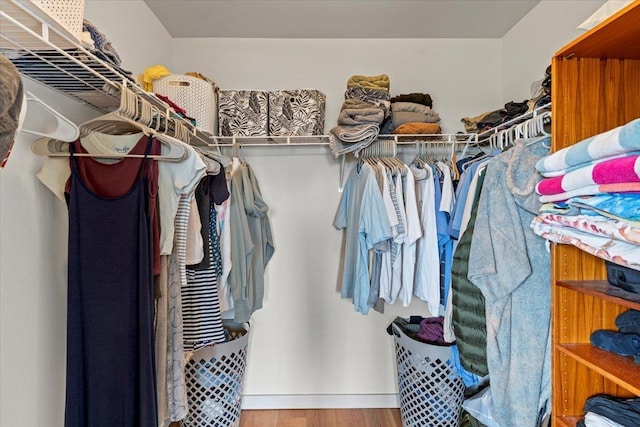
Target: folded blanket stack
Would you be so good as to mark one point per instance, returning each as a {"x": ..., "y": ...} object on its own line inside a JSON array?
[
  {"x": 592, "y": 195},
  {"x": 412, "y": 113},
  {"x": 365, "y": 107}
]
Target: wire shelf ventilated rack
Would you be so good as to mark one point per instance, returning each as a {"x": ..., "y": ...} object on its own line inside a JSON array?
[{"x": 48, "y": 53}]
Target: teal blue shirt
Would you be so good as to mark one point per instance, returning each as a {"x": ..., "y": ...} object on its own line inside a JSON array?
[{"x": 362, "y": 215}]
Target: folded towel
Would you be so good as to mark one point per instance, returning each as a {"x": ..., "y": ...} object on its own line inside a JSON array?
[
  {"x": 418, "y": 98},
  {"x": 372, "y": 82},
  {"x": 596, "y": 224},
  {"x": 402, "y": 117},
  {"x": 367, "y": 94},
  {"x": 593, "y": 162},
  {"x": 351, "y": 139},
  {"x": 369, "y": 97},
  {"x": 417, "y": 127},
  {"x": 355, "y": 112},
  {"x": 620, "y": 140},
  {"x": 623, "y": 169},
  {"x": 626, "y": 206},
  {"x": 410, "y": 107},
  {"x": 621, "y": 253},
  {"x": 591, "y": 190}
]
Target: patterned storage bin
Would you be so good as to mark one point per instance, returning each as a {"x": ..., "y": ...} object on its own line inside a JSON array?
[
  {"x": 431, "y": 392},
  {"x": 196, "y": 96},
  {"x": 215, "y": 377},
  {"x": 243, "y": 113},
  {"x": 296, "y": 112}
]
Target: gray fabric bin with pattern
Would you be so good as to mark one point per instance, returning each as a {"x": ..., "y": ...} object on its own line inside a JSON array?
[
  {"x": 243, "y": 113},
  {"x": 296, "y": 112}
]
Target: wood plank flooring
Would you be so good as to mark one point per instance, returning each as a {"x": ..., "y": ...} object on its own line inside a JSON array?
[{"x": 386, "y": 417}]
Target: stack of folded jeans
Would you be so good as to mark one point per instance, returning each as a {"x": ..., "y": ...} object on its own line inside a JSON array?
[{"x": 365, "y": 107}]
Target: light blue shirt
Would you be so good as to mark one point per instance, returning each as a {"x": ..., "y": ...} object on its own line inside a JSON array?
[{"x": 363, "y": 216}]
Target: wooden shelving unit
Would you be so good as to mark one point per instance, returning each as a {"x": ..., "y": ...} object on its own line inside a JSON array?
[{"x": 595, "y": 87}]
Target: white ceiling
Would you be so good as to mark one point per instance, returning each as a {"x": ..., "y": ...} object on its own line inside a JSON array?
[{"x": 340, "y": 19}]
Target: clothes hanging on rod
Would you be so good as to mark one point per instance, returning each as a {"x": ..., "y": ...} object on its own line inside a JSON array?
[
  {"x": 110, "y": 295},
  {"x": 397, "y": 213}
]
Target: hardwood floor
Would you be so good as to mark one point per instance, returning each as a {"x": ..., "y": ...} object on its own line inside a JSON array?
[{"x": 386, "y": 417}]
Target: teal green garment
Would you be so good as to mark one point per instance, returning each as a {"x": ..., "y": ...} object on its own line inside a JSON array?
[
  {"x": 469, "y": 319},
  {"x": 251, "y": 243}
]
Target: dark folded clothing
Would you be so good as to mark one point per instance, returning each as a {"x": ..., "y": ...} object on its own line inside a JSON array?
[
  {"x": 515, "y": 109},
  {"x": 418, "y": 98},
  {"x": 621, "y": 411}
]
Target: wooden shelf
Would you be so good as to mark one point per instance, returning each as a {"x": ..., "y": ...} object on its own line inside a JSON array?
[
  {"x": 604, "y": 291},
  {"x": 609, "y": 39},
  {"x": 619, "y": 369},
  {"x": 595, "y": 88},
  {"x": 568, "y": 421}
]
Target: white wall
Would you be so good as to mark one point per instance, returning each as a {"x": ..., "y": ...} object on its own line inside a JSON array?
[
  {"x": 308, "y": 346},
  {"x": 134, "y": 31},
  {"x": 306, "y": 341},
  {"x": 528, "y": 47},
  {"x": 33, "y": 240}
]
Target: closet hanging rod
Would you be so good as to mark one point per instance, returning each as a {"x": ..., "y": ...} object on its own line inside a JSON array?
[
  {"x": 320, "y": 140},
  {"x": 484, "y": 135}
]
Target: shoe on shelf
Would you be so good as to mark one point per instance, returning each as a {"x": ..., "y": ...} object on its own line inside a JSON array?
[
  {"x": 617, "y": 342},
  {"x": 628, "y": 322}
]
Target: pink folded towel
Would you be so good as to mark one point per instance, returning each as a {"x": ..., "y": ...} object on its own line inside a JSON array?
[{"x": 623, "y": 169}]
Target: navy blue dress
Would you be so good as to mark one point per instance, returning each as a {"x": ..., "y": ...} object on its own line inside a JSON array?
[{"x": 110, "y": 348}]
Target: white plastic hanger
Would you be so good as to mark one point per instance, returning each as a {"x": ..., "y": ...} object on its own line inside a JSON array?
[
  {"x": 134, "y": 115},
  {"x": 65, "y": 129}
]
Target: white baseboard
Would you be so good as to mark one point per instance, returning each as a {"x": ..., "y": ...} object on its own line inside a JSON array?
[{"x": 320, "y": 401}]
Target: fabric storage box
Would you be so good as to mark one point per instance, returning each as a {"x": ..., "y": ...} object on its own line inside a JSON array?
[
  {"x": 243, "y": 113},
  {"x": 431, "y": 392},
  {"x": 296, "y": 112},
  {"x": 196, "y": 96},
  {"x": 215, "y": 377}
]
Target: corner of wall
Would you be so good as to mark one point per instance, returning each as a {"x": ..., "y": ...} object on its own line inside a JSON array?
[{"x": 527, "y": 48}]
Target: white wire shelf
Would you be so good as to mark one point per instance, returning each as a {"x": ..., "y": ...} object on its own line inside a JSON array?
[
  {"x": 316, "y": 140},
  {"x": 50, "y": 55},
  {"x": 484, "y": 135}
]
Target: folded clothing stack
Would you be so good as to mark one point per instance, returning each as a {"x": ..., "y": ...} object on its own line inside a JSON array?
[
  {"x": 409, "y": 116},
  {"x": 365, "y": 107},
  {"x": 602, "y": 410},
  {"x": 590, "y": 191}
]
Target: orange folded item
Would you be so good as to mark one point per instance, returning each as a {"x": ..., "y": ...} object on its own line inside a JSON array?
[{"x": 417, "y": 127}]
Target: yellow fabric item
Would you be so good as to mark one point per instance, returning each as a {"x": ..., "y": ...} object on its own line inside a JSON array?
[
  {"x": 380, "y": 82},
  {"x": 417, "y": 127},
  {"x": 150, "y": 74}
]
